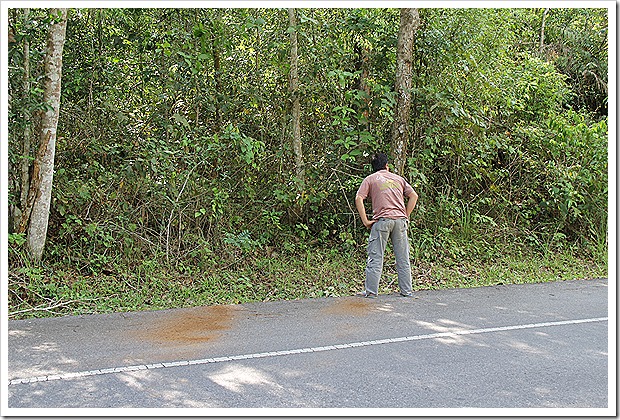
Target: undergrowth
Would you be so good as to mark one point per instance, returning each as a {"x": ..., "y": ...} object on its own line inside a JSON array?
[{"x": 239, "y": 276}]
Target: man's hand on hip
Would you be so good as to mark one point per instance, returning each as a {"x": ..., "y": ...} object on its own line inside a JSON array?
[{"x": 369, "y": 223}]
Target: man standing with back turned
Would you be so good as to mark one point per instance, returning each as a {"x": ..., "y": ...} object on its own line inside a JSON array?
[{"x": 390, "y": 220}]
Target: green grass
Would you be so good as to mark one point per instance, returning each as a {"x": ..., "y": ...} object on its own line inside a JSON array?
[
  {"x": 39, "y": 291},
  {"x": 514, "y": 270}
]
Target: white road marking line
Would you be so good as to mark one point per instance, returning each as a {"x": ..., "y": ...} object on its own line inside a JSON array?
[{"x": 72, "y": 375}]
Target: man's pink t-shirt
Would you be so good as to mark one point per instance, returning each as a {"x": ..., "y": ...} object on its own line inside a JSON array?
[{"x": 386, "y": 191}]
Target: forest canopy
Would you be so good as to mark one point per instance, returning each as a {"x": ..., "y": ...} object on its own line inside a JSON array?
[{"x": 175, "y": 153}]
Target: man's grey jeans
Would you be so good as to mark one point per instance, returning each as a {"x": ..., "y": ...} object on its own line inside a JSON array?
[{"x": 396, "y": 230}]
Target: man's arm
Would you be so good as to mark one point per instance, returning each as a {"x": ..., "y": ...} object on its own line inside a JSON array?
[
  {"x": 359, "y": 204},
  {"x": 413, "y": 199}
]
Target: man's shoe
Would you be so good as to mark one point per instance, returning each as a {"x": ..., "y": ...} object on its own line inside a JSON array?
[
  {"x": 410, "y": 294},
  {"x": 367, "y": 295}
]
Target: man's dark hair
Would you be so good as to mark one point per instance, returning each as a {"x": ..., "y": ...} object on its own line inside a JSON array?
[{"x": 379, "y": 160}]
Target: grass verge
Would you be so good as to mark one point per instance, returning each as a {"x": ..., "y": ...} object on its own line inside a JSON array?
[{"x": 40, "y": 291}]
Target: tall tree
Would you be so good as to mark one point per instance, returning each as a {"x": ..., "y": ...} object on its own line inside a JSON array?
[
  {"x": 27, "y": 133},
  {"x": 541, "y": 43},
  {"x": 36, "y": 214},
  {"x": 294, "y": 92},
  {"x": 217, "y": 66},
  {"x": 409, "y": 23}
]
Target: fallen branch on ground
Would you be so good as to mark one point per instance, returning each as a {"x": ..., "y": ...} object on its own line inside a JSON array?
[{"x": 50, "y": 307}]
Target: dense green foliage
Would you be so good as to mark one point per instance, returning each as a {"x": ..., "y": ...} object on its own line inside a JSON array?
[{"x": 175, "y": 172}]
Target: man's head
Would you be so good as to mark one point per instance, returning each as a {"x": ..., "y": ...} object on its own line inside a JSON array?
[{"x": 379, "y": 161}]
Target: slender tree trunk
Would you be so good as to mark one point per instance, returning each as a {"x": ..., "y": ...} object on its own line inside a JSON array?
[
  {"x": 217, "y": 70},
  {"x": 36, "y": 215},
  {"x": 27, "y": 135},
  {"x": 361, "y": 66},
  {"x": 296, "y": 108},
  {"x": 409, "y": 23},
  {"x": 542, "y": 31}
]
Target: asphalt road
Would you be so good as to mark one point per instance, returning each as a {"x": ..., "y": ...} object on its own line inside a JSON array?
[{"x": 537, "y": 346}]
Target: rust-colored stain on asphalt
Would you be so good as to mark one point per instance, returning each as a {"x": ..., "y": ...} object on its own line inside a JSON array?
[
  {"x": 189, "y": 326},
  {"x": 352, "y": 306}
]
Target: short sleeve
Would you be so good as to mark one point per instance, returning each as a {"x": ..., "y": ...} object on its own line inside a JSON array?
[
  {"x": 407, "y": 189},
  {"x": 364, "y": 189}
]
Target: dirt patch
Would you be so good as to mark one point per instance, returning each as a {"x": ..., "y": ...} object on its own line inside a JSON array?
[
  {"x": 352, "y": 306},
  {"x": 189, "y": 326}
]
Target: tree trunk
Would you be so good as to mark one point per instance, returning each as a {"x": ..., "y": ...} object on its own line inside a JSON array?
[
  {"x": 36, "y": 215},
  {"x": 361, "y": 66},
  {"x": 27, "y": 134},
  {"x": 541, "y": 44},
  {"x": 409, "y": 23},
  {"x": 217, "y": 71},
  {"x": 296, "y": 111}
]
